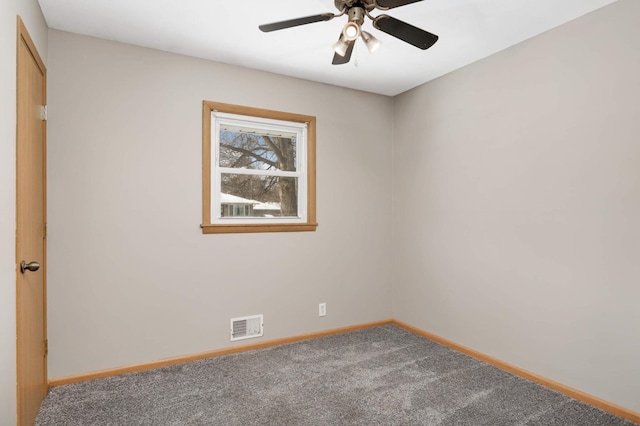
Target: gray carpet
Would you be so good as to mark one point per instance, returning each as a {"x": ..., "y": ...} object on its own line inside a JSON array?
[{"x": 378, "y": 376}]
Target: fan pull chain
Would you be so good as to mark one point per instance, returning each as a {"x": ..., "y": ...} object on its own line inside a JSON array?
[{"x": 355, "y": 62}]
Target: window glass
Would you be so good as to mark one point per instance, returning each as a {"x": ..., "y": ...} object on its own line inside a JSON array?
[{"x": 257, "y": 149}]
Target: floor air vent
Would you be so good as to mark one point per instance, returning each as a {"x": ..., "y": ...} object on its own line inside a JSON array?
[{"x": 246, "y": 327}]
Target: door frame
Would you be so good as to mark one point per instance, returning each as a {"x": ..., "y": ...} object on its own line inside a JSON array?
[{"x": 24, "y": 37}]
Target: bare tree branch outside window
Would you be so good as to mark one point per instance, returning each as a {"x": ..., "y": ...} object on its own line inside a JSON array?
[{"x": 263, "y": 152}]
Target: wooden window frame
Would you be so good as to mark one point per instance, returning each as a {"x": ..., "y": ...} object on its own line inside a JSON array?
[{"x": 214, "y": 228}]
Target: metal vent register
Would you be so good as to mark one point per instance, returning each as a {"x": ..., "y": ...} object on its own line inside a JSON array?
[{"x": 246, "y": 327}]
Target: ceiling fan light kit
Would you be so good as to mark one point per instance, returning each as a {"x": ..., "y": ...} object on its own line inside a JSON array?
[
  {"x": 352, "y": 30},
  {"x": 370, "y": 41},
  {"x": 341, "y": 46}
]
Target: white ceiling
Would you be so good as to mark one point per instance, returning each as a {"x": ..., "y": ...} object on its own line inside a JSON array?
[{"x": 227, "y": 31}]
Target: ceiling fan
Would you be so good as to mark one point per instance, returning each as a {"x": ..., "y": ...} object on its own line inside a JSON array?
[{"x": 356, "y": 11}]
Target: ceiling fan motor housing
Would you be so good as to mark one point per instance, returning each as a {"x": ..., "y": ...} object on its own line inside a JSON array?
[{"x": 369, "y": 5}]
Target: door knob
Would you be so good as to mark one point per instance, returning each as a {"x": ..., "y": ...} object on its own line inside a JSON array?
[{"x": 31, "y": 266}]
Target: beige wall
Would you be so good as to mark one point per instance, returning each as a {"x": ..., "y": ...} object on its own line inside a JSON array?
[
  {"x": 517, "y": 205},
  {"x": 131, "y": 277},
  {"x": 32, "y": 17}
]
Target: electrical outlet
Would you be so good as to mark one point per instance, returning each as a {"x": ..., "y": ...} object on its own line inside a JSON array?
[{"x": 322, "y": 309}]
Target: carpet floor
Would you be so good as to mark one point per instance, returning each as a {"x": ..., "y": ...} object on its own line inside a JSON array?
[{"x": 379, "y": 376}]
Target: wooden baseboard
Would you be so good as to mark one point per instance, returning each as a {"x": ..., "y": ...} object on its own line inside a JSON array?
[
  {"x": 210, "y": 354},
  {"x": 569, "y": 391}
]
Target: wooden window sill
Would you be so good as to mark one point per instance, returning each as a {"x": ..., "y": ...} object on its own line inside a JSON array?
[{"x": 250, "y": 228}]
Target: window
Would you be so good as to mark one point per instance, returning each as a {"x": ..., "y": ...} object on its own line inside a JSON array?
[{"x": 258, "y": 170}]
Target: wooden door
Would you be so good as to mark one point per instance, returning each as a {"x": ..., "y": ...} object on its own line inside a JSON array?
[{"x": 30, "y": 229}]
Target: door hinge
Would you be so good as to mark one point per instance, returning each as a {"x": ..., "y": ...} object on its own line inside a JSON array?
[
  {"x": 46, "y": 347},
  {"x": 44, "y": 231},
  {"x": 43, "y": 113}
]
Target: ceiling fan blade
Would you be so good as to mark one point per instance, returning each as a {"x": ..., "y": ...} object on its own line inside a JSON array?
[
  {"x": 390, "y": 4},
  {"x": 295, "y": 22},
  {"x": 339, "y": 60},
  {"x": 413, "y": 35}
]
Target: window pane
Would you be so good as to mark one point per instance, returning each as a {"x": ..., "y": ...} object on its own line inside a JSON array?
[
  {"x": 258, "y": 196},
  {"x": 248, "y": 148}
]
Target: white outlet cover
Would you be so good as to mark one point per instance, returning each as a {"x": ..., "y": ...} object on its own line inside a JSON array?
[{"x": 322, "y": 309}]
